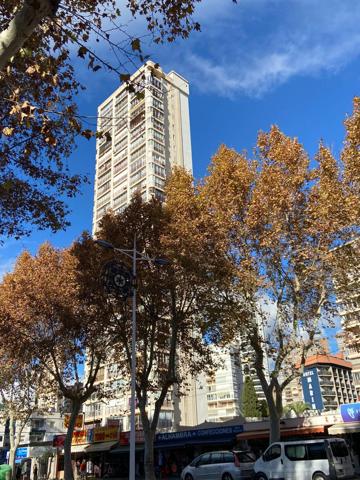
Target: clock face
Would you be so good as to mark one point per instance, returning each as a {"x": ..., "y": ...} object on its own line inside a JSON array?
[{"x": 117, "y": 279}]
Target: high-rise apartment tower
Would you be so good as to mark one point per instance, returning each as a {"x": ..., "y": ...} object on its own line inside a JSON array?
[{"x": 146, "y": 131}]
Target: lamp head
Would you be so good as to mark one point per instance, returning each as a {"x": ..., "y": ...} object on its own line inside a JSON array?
[
  {"x": 161, "y": 261},
  {"x": 104, "y": 244}
]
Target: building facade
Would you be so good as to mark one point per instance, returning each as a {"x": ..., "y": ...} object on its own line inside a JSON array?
[
  {"x": 145, "y": 132},
  {"x": 224, "y": 387},
  {"x": 218, "y": 397},
  {"x": 348, "y": 298},
  {"x": 293, "y": 392},
  {"x": 327, "y": 382},
  {"x": 247, "y": 365}
]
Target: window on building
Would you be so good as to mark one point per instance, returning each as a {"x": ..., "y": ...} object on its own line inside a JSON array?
[{"x": 165, "y": 420}]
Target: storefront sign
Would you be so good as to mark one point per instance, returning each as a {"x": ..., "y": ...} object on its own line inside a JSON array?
[
  {"x": 191, "y": 436},
  {"x": 113, "y": 422},
  {"x": 21, "y": 453},
  {"x": 311, "y": 389},
  {"x": 79, "y": 422},
  {"x": 58, "y": 441},
  {"x": 105, "y": 434},
  {"x": 350, "y": 412},
  {"x": 125, "y": 437},
  {"x": 79, "y": 437},
  {"x": 92, "y": 435}
]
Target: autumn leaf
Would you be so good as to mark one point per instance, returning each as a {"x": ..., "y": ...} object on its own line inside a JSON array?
[
  {"x": 135, "y": 44},
  {"x": 7, "y": 131},
  {"x": 82, "y": 51},
  {"x": 87, "y": 134},
  {"x": 124, "y": 77}
]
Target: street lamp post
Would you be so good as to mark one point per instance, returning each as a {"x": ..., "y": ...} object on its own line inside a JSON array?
[
  {"x": 133, "y": 369},
  {"x": 135, "y": 257}
]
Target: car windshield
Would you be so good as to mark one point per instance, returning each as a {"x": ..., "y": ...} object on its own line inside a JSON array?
[
  {"x": 195, "y": 461},
  {"x": 246, "y": 457}
]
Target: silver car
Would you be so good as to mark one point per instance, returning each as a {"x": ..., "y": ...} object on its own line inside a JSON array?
[{"x": 224, "y": 465}]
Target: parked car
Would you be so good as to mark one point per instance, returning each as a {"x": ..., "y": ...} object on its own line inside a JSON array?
[
  {"x": 322, "y": 459},
  {"x": 224, "y": 465}
]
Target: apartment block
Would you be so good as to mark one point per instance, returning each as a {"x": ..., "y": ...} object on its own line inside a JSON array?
[
  {"x": 327, "y": 382},
  {"x": 145, "y": 131},
  {"x": 223, "y": 398},
  {"x": 348, "y": 298}
]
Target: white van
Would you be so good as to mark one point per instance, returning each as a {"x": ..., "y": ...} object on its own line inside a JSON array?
[{"x": 323, "y": 459}]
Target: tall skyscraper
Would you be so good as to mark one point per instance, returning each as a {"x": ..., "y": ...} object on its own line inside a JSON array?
[{"x": 146, "y": 131}]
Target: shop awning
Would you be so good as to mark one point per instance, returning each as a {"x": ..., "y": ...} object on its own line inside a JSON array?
[
  {"x": 92, "y": 447},
  {"x": 342, "y": 428},
  {"x": 100, "y": 447},
  {"x": 187, "y": 443},
  {"x": 125, "y": 449},
  {"x": 79, "y": 448},
  {"x": 286, "y": 432}
]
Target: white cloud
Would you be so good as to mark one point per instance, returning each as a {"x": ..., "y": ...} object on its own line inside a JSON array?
[
  {"x": 259, "y": 45},
  {"x": 249, "y": 48}
]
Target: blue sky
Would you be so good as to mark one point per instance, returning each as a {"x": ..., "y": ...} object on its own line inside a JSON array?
[{"x": 295, "y": 63}]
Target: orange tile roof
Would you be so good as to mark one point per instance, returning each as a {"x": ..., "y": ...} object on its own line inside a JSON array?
[{"x": 337, "y": 360}]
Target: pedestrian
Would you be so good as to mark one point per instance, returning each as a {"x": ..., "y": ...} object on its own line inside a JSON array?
[
  {"x": 35, "y": 472},
  {"x": 96, "y": 470},
  {"x": 89, "y": 467},
  {"x": 83, "y": 469}
]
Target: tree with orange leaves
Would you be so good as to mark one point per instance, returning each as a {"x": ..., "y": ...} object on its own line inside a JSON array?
[
  {"x": 276, "y": 219},
  {"x": 181, "y": 306},
  {"x": 53, "y": 318}
]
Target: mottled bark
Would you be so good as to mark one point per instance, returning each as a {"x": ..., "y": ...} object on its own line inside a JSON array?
[
  {"x": 13, "y": 445},
  {"x": 25, "y": 21}
]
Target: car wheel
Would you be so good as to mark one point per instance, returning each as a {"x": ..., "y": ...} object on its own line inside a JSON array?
[
  {"x": 227, "y": 476},
  {"x": 318, "y": 476},
  {"x": 261, "y": 476},
  {"x": 188, "y": 477}
]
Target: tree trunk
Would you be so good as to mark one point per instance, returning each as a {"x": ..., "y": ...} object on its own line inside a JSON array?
[
  {"x": 15, "y": 431},
  {"x": 274, "y": 423},
  {"x": 149, "y": 437},
  {"x": 25, "y": 21},
  {"x": 68, "y": 469},
  {"x": 13, "y": 445},
  {"x": 275, "y": 410}
]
